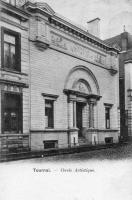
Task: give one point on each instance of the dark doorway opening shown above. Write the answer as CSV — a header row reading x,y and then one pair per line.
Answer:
x,y
79,117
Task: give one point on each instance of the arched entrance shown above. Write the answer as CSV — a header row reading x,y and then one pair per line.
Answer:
x,y
83,93
83,87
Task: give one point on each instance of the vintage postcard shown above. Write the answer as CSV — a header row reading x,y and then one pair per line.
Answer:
x,y
65,99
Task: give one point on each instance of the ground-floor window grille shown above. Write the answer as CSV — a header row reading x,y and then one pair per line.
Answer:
x,y
50,144
11,112
109,140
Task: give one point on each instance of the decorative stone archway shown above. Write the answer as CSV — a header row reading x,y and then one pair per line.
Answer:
x,y
82,89
84,75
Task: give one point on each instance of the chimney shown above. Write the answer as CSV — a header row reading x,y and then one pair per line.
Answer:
x,y
94,27
124,41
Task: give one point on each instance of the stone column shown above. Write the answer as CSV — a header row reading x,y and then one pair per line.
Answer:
x,y
91,115
92,103
70,114
95,116
74,114
73,132
92,135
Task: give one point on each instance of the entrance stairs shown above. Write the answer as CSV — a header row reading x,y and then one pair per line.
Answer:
x,y
82,141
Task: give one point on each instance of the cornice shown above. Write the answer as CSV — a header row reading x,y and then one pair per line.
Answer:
x,y
80,94
14,11
50,95
77,37
80,33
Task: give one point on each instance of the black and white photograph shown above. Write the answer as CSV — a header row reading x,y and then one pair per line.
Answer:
x,y
65,99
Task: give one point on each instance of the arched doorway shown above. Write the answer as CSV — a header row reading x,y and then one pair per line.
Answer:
x,y
83,87
83,93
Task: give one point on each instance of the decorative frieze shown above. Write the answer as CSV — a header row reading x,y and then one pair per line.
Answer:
x,y
76,49
11,88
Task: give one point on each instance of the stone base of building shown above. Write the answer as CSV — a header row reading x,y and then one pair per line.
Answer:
x,y
48,139
101,136
73,137
14,143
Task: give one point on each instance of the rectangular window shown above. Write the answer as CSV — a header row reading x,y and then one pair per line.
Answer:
x,y
11,50
50,144
49,113
107,117
109,140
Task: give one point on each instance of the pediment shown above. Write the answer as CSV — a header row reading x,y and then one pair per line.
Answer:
x,y
45,7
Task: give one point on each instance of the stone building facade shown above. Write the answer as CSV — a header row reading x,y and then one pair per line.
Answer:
x,y
124,41
14,78
68,80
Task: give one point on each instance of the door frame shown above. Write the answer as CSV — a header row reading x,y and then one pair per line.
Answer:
x,y
82,105
20,123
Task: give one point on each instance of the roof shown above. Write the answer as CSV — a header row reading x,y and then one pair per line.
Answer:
x,y
117,41
113,40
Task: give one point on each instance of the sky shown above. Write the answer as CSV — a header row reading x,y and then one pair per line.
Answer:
x,y
114,14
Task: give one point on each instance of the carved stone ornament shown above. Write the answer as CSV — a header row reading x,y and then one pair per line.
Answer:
x,y
112,71
20,3
41,44
81,87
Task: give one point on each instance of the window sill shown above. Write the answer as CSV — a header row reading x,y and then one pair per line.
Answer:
x,y
13,71
49,129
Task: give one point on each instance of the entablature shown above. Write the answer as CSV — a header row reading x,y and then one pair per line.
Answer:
x,y
62,23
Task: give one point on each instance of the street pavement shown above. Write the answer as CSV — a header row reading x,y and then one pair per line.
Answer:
x,y
122,152
117,153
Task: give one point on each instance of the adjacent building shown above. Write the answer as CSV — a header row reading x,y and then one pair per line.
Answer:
x,y
14,78
59,83
124,42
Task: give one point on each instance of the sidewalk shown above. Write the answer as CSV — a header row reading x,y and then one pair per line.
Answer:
x,y
54,152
